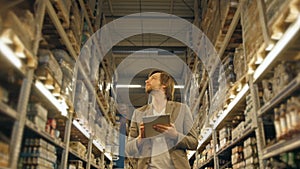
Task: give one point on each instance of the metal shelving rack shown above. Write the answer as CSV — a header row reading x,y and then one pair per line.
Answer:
x,y
30,86
286,45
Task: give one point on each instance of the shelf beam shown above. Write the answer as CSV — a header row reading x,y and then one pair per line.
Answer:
x,y
281,147
67,134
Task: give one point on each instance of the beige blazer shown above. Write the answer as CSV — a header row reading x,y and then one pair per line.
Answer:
x,y
187,140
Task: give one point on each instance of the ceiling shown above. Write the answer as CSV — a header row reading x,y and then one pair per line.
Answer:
x,y
154,51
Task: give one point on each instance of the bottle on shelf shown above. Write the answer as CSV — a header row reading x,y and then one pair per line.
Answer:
x,y
277,123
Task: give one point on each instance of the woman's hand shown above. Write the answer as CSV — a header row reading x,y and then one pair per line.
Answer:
x,y
169,130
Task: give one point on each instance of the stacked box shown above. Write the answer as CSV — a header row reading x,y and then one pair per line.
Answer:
x,y
224,136
238,131
38,115
252,31
237,158
76,164
250,153
37,153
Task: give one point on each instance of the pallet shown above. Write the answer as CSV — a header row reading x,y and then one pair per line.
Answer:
x,y
288,15
18,48
49,81
234,90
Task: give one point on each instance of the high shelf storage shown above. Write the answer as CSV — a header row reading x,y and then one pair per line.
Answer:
x,y
255,126
42,82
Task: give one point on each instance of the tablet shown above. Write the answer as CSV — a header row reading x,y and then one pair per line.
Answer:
x,y
150,121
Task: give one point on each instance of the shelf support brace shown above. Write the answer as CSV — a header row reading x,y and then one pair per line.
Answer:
x,y
257,121
65,154
18,128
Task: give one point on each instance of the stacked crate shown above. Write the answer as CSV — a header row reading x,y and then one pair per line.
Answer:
x,y
37,153
250,153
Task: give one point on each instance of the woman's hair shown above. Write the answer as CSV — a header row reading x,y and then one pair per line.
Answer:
x,y
167,80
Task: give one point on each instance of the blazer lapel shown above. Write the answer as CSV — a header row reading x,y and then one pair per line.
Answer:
x,y
170,110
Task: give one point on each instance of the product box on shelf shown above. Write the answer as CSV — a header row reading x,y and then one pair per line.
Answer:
x,y
48,64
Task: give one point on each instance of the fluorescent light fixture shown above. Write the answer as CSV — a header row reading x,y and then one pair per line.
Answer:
x,y
10,55
128,86
232,104
80,128
98,145
40,86
179,86
278,48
